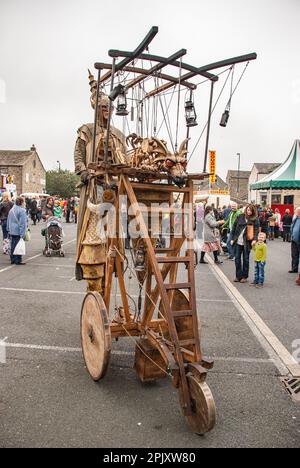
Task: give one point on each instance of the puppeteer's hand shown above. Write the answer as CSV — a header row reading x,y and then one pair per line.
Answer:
x,y
84,176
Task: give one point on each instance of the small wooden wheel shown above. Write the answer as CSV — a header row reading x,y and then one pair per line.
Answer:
x,y
203,416
95,335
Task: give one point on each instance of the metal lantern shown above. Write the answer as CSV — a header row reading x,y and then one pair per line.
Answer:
x,y
119,89
190,114
224,118
139,263
122,105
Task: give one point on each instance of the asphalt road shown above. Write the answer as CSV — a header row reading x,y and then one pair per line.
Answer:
x,y
47,398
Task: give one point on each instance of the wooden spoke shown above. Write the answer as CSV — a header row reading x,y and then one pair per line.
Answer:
x,y
95,335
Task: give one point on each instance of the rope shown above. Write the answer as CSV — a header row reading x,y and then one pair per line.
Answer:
x,y
146,355
168,129
198,141
140,284
178,105
164,95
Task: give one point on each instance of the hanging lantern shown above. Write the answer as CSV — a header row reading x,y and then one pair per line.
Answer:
x,y
190,113
122,105
225,117
119,89
139,263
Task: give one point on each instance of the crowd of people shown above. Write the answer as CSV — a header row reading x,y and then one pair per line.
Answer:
x,y
15,216
233,230
236,231
63,208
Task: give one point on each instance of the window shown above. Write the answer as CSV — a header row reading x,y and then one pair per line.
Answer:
x,y
288,200
26,178
34,164
264,198
276,199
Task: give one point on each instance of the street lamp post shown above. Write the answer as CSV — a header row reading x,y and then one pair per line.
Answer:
x,y
58,162
238,177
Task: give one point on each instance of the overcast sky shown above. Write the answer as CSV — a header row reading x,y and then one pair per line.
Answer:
x,y
46,47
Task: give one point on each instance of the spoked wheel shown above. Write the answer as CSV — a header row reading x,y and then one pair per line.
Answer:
x,y
95,335
203,416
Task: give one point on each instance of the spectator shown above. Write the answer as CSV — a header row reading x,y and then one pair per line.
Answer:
x,y
295,236
199,220
264,221
211,243
5,207
277,223
57,210
33,210
229,225
16,227
287,221
244,235
226,212
272,223
260,258
48,209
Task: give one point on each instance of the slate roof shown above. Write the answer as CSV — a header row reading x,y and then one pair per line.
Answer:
x,y
243,174
14,158
266,168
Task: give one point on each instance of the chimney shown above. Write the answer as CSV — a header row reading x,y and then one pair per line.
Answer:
x,y
33,148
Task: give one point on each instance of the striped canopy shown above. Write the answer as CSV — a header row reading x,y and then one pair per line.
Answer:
x,y
286,176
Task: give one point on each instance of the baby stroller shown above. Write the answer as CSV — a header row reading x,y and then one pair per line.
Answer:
x,y
54,237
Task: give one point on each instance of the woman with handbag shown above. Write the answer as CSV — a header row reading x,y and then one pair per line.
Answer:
x,y
244,235
17,228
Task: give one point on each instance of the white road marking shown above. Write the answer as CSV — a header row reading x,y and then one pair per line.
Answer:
x,y
45,291
283,360
66,349
32,258
54,265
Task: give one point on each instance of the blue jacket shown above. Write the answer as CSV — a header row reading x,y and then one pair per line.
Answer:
x,y
295,230
17,222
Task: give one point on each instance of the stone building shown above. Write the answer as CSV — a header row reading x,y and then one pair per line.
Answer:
x,y
25,168
258,172
237,182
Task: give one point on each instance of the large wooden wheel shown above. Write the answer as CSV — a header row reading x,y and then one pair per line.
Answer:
x,y
95,335
203,416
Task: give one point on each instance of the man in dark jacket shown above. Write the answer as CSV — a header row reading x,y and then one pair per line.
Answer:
x,y
33,211
287,222
295,236
244,234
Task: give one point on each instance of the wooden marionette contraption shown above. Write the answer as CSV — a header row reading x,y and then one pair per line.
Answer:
x,y
136,221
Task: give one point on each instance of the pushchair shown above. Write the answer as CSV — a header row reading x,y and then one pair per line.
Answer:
x,y
54,237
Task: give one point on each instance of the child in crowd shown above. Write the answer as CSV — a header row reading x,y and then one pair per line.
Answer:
x,y
260,258
58,211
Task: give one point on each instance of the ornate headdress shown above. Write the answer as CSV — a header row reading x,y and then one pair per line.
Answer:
x,y
103,98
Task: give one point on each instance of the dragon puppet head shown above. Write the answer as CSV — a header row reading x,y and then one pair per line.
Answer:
x,y
152,154
174,164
